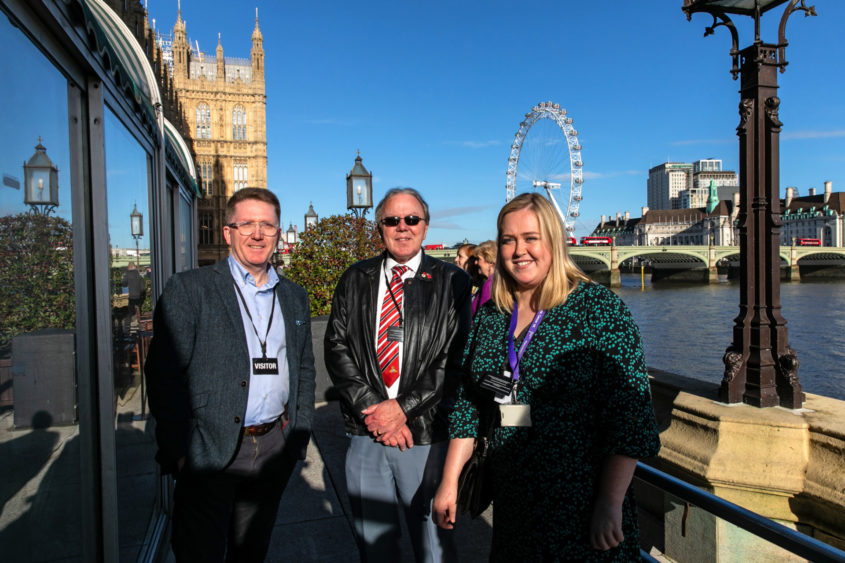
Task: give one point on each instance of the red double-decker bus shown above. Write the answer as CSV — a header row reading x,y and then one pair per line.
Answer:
x,y
596,241
808,242
571,241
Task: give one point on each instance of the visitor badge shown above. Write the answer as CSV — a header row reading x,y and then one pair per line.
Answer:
x,y
396,333
515,415
265,366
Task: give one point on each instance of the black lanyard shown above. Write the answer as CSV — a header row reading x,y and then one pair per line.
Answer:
x,y
269,323
393,297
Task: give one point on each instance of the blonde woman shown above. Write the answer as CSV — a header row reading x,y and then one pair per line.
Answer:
x,y
485,258
560,359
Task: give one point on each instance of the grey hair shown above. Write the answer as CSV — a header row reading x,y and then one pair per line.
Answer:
x,y
396,191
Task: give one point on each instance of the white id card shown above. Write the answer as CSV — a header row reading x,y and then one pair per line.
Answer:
x,y
515,415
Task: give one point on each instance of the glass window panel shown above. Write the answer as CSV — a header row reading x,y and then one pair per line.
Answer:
x,y
127,187
40,479
185,236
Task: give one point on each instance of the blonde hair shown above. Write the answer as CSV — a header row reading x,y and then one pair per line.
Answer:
x,y
563,276
486,250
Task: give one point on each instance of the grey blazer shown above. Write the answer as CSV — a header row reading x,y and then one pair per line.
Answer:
x,y
198,369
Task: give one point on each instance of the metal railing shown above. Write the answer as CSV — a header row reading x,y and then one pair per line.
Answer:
x,y
778,534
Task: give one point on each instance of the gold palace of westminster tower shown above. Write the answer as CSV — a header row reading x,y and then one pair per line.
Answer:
x,y
224,105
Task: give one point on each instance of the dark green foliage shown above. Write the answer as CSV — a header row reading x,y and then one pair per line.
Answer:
x,y
36,275
325,252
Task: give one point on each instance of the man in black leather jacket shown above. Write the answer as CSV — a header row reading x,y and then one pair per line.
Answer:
x,y
393,347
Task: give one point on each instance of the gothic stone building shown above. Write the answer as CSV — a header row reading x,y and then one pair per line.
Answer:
x,y
224,102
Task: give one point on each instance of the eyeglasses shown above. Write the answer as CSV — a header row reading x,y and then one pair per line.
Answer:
x,y
247,228
410,220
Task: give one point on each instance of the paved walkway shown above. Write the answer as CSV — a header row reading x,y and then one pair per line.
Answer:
x,y
314,519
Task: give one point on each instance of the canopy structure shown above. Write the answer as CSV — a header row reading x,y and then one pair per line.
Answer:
x,y
180,148
132,68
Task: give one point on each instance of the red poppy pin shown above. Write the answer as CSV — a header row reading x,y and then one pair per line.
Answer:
x,y
425,276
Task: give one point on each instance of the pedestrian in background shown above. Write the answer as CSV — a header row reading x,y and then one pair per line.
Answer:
x,y
485,260
462,258
133,281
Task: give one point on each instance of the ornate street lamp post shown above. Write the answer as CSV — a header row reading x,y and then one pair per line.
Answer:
x,y
41,181
359,189
760,367
136,226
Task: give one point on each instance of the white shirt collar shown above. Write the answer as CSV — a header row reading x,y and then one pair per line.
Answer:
x,y
413,264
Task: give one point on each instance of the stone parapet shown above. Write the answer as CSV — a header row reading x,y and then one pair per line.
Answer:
x,y
786,465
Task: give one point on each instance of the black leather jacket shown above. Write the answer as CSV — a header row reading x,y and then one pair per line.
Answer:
x,y
437,319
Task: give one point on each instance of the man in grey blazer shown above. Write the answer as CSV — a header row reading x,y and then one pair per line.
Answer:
x,y
231,386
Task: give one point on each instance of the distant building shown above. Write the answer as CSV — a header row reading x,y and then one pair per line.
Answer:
x,y
665,183
820,216
693,198
669,227
814,216
224,102
680,185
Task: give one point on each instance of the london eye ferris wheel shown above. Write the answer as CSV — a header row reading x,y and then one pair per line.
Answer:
x,y
548,158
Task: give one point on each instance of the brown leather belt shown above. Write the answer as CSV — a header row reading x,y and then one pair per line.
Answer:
x,y
262,429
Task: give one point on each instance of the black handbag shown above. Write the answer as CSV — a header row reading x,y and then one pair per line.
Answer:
x,y
475,487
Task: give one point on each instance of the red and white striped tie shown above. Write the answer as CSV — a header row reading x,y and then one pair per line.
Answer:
x,y
387,351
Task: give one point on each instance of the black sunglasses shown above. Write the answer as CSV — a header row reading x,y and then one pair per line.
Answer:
x,y
410,220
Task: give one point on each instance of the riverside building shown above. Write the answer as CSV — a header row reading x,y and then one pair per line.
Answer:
x,y
714,223
814,216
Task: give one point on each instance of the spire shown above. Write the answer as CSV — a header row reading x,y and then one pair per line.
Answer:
x,y
256,33
180,45
257,52
713,197
221,67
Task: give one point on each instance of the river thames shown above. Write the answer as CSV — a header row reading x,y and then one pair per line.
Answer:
x,y
686,328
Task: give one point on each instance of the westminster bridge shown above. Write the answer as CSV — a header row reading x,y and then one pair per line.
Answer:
x,y
700,263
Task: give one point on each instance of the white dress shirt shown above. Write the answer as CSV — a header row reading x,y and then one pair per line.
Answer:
x,y
385,276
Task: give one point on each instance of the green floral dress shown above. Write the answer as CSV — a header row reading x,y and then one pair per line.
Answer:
x,y
584,375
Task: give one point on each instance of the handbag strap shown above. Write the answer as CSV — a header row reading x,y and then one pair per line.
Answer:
x,y
487,411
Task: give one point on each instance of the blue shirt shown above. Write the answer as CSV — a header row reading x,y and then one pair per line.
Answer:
x,y
268,394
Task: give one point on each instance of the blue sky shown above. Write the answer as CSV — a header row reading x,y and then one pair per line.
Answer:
x,y
432,94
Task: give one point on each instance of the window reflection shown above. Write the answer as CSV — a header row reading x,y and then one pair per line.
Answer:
x,y
39,436
127,186
184,235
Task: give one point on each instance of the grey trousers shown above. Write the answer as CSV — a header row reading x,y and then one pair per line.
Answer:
x,y
381,480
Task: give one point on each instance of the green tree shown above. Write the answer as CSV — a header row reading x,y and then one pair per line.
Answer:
x,y
36,275
324,253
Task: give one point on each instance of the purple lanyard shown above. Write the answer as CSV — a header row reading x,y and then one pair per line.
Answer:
x,y
513,357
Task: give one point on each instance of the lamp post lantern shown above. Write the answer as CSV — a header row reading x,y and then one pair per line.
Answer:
x,y
290,235
359,189
311,218
136,226
41,181
760,367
